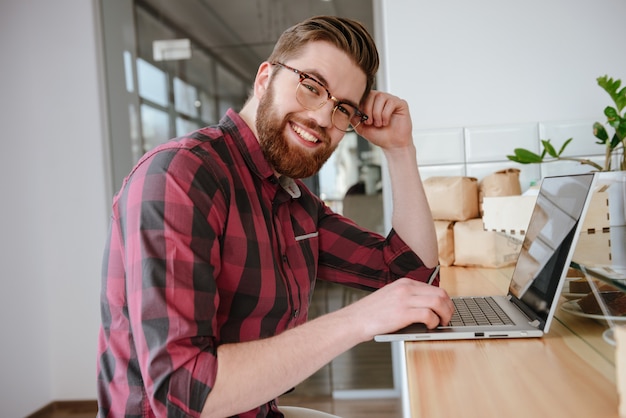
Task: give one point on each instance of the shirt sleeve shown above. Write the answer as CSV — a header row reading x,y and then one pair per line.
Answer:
x,y
355,256
173,258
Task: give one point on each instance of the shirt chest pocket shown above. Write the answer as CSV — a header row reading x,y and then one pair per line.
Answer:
x,y
304,255
308,245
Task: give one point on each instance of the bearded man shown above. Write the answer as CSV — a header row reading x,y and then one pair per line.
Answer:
x,y
215,244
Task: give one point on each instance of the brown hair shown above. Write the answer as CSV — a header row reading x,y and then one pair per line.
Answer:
x,y
348,35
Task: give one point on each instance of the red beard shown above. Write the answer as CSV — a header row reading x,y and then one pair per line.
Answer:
x,y
294,162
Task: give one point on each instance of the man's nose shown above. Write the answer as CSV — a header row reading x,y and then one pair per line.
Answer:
x,y
324,115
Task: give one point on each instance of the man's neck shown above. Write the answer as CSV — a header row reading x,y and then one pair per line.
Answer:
x,y
248,114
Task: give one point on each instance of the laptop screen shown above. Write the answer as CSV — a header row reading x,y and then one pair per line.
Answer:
x,y
548,241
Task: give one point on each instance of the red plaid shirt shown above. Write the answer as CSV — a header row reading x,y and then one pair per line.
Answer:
x,y
206,247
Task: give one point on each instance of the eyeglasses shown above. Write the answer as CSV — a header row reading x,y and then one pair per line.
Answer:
x,y
310,94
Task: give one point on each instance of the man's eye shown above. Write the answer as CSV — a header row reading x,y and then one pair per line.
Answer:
x,y
311,88
345,109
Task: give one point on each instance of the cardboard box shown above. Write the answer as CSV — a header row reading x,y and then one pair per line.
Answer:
x,y
597,217
476,247
445,241
593,247
509,215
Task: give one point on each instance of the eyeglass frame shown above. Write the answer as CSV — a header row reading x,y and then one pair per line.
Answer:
x,y
303,76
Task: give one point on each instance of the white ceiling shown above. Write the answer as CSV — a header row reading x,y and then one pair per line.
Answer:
x,y
243,32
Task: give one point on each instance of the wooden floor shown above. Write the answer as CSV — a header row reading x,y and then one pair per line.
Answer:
x,y
367,366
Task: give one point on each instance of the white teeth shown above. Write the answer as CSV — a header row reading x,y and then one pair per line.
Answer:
x,y
304,135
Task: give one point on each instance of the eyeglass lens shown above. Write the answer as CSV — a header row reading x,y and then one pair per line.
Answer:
x,y
313,96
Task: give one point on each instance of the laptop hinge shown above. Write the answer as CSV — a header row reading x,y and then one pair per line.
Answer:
x,y
532,317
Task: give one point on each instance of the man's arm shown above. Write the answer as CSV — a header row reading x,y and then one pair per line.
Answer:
x,y
250,374
389,126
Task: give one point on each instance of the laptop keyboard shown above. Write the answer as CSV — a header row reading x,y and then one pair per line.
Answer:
x,y
478,311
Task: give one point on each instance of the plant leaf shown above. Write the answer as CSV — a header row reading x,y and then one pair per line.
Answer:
x,y
517,160
524,156
600,133
611,113
615,141
549,148
611,87
620,131
565,144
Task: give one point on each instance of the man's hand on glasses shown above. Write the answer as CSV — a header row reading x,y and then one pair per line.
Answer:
x,y
389,124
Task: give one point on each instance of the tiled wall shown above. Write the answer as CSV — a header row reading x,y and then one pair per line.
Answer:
x,y
480,150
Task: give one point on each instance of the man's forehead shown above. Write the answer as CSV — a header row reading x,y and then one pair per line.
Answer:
x,y
331,66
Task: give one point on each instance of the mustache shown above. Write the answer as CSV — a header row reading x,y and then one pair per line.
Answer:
x,y
310,124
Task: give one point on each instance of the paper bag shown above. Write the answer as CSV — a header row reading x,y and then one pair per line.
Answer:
x,y
475,247
445,241
501,183
452,198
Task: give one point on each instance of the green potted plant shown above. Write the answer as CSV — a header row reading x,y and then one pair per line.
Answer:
x,y
614,159
613,171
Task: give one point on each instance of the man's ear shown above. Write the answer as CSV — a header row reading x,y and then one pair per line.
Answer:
x,y
262,79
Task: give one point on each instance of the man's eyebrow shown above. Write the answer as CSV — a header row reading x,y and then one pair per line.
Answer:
x,y
320,79
317,76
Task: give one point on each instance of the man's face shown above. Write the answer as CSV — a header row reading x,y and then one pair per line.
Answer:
x,y
289,159
296,141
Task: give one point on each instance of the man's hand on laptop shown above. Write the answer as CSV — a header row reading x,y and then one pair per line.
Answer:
x,y
400,304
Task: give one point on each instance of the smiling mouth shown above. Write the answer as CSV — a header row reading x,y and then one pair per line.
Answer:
x,y
304,135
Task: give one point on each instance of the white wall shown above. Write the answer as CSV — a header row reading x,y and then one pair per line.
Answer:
x,y
54,202
480,62
485,76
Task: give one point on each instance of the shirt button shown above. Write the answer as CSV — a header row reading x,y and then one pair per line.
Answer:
x,y
284,258
295,313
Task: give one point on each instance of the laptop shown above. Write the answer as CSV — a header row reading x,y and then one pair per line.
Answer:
x,y
540,271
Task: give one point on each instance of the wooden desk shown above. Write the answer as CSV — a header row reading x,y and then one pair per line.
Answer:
x,y
570,372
